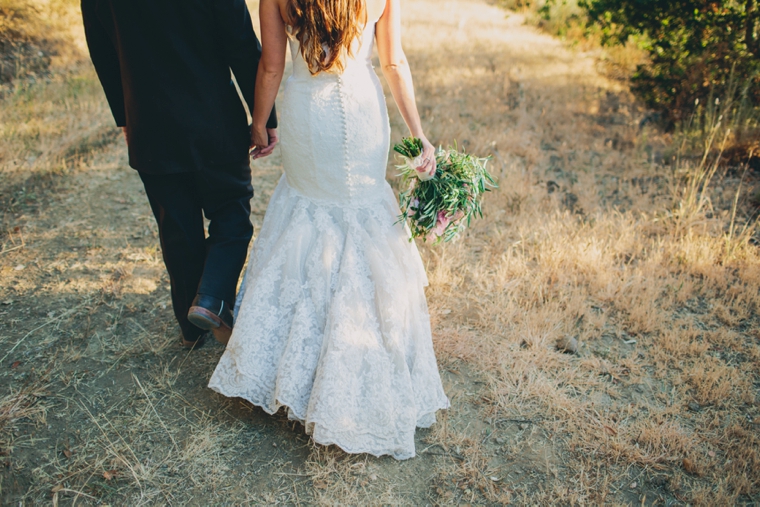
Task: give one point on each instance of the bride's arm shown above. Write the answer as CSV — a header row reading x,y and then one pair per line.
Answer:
x,y
271,67
399,76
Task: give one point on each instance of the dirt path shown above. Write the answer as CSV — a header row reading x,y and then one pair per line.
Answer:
x,y
101,406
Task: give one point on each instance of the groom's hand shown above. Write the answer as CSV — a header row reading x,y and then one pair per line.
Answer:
x,y
273,139
263,143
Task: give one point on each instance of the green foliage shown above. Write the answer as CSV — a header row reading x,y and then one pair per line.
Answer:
x,y
439,209
409,147
699,49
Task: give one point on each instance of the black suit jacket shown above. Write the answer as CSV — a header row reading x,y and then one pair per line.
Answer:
x,y
165,69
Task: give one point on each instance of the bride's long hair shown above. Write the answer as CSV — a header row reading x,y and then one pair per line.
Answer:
x,y
326,29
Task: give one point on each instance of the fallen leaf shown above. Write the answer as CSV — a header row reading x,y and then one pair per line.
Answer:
x,y
15,364
568,345
690,466
110,474
57,488
67,453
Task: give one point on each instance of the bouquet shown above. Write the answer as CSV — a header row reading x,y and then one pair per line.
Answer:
x,y
438,207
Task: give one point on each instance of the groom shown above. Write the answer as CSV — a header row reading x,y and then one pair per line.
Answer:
x,y
165,69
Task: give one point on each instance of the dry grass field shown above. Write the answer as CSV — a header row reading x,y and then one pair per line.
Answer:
x,y
597,332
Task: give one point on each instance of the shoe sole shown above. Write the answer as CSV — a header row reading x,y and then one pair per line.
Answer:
x,y
204,319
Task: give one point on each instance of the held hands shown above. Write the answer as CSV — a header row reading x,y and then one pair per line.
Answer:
x,y
263,142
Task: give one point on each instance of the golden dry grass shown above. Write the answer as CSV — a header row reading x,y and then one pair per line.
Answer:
x,y
35,34
568,21
650,291
589,238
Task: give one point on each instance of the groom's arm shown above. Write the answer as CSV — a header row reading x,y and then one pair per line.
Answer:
x,y
105,59
241,47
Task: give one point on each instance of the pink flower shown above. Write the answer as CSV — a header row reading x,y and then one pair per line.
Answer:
x,y
441,223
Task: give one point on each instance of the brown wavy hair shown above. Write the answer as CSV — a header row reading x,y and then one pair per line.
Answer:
x,y
326,29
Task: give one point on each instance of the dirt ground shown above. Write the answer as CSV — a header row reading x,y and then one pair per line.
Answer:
x,y
658,404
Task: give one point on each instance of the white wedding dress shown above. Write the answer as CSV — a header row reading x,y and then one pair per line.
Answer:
x,y
331,319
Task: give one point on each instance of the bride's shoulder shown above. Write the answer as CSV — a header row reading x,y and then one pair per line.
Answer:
x,y
375,9
283,6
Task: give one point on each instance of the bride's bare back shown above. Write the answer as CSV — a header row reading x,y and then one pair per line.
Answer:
x,y
374,9
392,59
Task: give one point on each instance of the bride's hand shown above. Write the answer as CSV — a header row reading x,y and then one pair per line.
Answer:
x,y
263,142
428,156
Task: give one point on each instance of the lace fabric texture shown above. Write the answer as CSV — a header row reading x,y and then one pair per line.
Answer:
x,y
331,318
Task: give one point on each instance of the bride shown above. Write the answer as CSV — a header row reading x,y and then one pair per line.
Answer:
x,y
331,319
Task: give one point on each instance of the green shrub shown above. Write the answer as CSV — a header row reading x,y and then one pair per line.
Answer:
x,y
699,50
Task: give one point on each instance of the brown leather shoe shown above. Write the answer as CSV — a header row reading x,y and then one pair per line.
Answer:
x,y
212,314
222,334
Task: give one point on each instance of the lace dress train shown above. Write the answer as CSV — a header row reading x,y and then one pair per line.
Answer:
x,y
331,319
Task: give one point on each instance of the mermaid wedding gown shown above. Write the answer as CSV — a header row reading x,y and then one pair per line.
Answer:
x,y
331,319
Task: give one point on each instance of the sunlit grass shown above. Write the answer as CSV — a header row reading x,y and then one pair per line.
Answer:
x,y
649,287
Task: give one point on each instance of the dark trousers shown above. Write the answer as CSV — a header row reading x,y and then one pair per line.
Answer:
x,y
198,264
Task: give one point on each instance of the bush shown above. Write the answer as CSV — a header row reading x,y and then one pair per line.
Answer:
x,y
699,50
